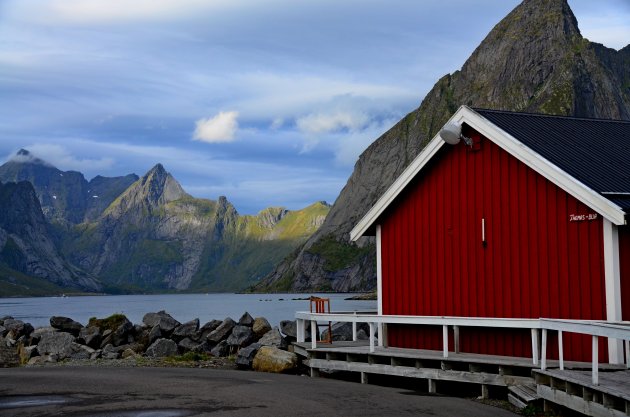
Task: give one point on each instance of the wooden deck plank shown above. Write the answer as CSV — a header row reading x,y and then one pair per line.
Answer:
x,y
615,383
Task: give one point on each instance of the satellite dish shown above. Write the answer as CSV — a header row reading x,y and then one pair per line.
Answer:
x,y
451,133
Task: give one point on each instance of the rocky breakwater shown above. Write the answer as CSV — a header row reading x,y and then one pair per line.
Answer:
x,y
251,342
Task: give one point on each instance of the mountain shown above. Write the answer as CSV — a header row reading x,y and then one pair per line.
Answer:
x,y
65,197
30,263
154,236
534,60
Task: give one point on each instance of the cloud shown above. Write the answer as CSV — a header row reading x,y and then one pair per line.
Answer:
x,y
60,157
220,128
316,123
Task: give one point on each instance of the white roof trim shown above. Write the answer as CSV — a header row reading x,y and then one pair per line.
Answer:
x,y
514,147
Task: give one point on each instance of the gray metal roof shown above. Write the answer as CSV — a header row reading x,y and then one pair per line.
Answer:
x,y
596,152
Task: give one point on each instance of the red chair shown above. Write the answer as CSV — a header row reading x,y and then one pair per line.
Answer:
x,y
322,305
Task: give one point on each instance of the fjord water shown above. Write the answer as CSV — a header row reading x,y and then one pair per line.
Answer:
x,y
183,307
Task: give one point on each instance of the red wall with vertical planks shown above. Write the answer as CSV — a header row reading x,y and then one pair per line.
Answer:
x,y
624,267
535,262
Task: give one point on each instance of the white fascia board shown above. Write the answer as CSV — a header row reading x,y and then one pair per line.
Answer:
x,y
514,147
544,167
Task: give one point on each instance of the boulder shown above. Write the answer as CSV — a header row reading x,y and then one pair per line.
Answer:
x,y
3,331
275,339
222,331
9,356
110,352
90,336
27,352
3,318
58,344
203,347
207,328
271,359
363,335
166,322
241,336
260,326
246,356
155,334
220,350
14,329
343,331
289,329
107,338
123,334
66,324
38,360
246,320
186,330
162,348
128,353
81,351
186,345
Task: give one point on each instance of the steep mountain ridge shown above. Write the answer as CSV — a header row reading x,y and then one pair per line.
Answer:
x,y
25,245
534,60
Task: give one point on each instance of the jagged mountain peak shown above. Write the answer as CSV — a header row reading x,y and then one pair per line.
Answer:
x,y
24,156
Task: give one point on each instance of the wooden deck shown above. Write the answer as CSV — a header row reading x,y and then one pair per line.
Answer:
x,y
611,396
574,389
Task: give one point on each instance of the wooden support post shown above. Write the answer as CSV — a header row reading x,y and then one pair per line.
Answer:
x,y
364,377
372,336
381,334
456,338
560,350
627,354
313,334
543,357
535,346
314,372
445,341
354,329
595,369
432,386
485,394
300,330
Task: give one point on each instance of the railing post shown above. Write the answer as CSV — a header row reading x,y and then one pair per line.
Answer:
x,y
381,335
445,341
627,342
313,334
371,337
535,346
354,328
560,350
595,369
543,356
299,324
456,338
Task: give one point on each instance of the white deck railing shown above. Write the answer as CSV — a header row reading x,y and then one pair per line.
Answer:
x,y
611,330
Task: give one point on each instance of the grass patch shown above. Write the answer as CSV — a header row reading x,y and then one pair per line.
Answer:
x,y
337,255
190,357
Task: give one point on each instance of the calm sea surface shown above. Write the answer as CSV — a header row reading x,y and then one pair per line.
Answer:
x,y
183,307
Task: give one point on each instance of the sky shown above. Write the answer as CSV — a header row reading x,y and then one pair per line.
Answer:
x,y
269,103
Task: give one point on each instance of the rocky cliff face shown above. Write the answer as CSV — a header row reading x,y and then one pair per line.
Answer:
x,y
65,197
534,60
25,245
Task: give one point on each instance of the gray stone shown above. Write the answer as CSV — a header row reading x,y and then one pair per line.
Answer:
x,y
162,348
343,331
261,326
241,336
27,352
81,351
17,328
275,339
97,354
271,359
246,356
207,328
363,335
3,331
66,324
203,347
110,352
123,334
90,336
3,318
155,334
222,349
128,353
246,320
186,345
222,331
9,356
58,344
186,330
107,338
166,322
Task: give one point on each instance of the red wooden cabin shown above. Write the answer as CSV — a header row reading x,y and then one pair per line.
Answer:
x,y
528,221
